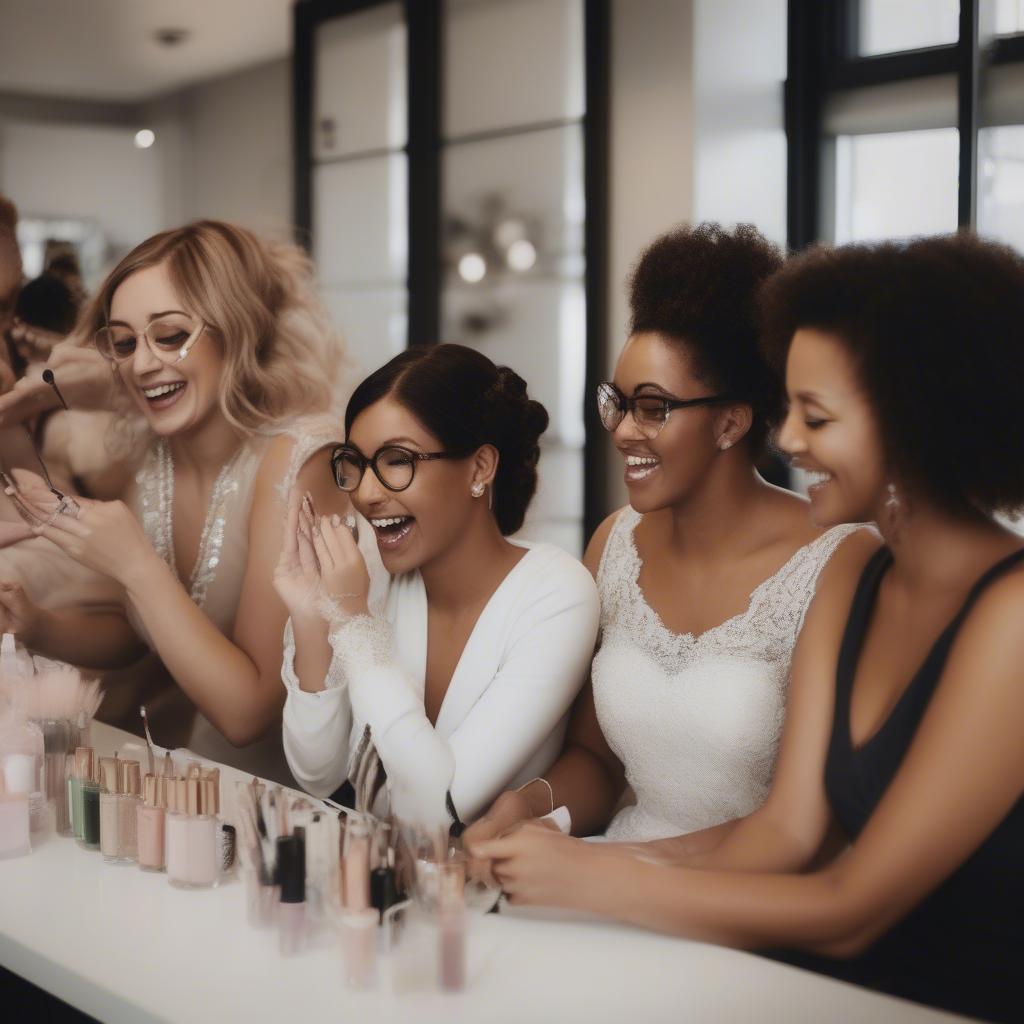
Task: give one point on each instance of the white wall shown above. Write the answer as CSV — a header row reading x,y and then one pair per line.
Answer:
x,y
238,163
651,162
87,172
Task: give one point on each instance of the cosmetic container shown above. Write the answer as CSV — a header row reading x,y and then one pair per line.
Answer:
x,y
21,767
383,882
108,776
150,824
357,865
291,913
82,770
191,836
14,825
60,738
359,937
128,800
88,801
451,926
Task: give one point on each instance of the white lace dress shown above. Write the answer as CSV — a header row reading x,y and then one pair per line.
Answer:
x,y
696,720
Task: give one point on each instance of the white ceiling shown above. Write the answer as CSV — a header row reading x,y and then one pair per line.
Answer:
x,y
105,50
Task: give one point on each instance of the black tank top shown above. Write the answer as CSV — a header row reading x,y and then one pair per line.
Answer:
x,y
962,947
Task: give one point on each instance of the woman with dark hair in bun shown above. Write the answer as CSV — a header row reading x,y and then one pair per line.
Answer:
x,y
704,578
465,667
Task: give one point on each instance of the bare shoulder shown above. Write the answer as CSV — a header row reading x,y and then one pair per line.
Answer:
x,y
314,475
598,542
842,572
994,621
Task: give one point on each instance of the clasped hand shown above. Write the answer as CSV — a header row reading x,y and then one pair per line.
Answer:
x,y
321,571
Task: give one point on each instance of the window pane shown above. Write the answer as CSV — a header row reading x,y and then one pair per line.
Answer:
x,y
895,185
359,209
1001,184
887,26
1009,17
360,83
511,63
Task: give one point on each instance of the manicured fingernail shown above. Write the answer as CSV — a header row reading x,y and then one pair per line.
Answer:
x,y
335,520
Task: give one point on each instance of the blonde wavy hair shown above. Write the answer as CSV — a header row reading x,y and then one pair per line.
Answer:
x,y
282,356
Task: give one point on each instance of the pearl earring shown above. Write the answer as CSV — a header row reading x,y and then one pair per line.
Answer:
x,y
892,503
477,490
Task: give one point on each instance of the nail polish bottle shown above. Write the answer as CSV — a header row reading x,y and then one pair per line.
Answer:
x,y
359,921
128,801
383,884
91,812
191,836
85,799
451,921
108,781
291,913
150,824
14,827
21,767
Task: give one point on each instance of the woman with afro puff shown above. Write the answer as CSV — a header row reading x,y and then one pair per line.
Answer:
x,y
704,577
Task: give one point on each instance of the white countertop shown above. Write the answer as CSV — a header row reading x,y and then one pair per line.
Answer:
x,y
124,945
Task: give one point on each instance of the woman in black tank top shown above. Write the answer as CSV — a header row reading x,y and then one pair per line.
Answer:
x,y
890,851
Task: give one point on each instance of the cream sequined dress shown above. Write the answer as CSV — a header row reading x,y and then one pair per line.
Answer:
x,y
215,586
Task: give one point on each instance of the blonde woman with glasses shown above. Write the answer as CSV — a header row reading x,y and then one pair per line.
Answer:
x,y
227,358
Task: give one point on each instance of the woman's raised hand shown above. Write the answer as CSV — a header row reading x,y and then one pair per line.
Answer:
x,y
82,374
297,576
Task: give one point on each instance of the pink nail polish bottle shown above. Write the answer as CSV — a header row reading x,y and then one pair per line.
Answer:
x,y
150,824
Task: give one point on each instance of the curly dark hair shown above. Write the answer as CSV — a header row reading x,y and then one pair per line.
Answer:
x,y
934,327
466,401
697,286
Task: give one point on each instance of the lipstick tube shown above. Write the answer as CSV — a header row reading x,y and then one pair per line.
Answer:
x,y
291,913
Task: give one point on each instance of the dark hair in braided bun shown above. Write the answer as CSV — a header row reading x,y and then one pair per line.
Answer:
x,y
466,401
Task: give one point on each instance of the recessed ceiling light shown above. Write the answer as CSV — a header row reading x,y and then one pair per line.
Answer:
x,y
144,138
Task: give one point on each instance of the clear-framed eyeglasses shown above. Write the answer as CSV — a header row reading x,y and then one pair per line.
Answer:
x,y
170,338
650,411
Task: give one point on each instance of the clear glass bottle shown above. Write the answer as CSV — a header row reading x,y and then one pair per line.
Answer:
x,y
129,799
108,781
192,837
91,812
150,815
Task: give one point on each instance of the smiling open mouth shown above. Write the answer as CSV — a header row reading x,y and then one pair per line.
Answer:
x,y
162,395
639,467
392,530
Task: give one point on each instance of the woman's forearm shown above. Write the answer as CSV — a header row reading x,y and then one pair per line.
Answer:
x,y
746,911
581,782
219,677
691,849
313,652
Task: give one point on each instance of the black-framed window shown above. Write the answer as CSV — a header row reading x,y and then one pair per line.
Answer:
x,y
905,117
398,276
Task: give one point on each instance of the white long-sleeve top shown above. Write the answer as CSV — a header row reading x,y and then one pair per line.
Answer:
x,y
503,716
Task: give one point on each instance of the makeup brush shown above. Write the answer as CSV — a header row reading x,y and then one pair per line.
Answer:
x,y
49,378
149,740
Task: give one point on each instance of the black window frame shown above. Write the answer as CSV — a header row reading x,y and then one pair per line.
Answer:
x,y
423,150
823,60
